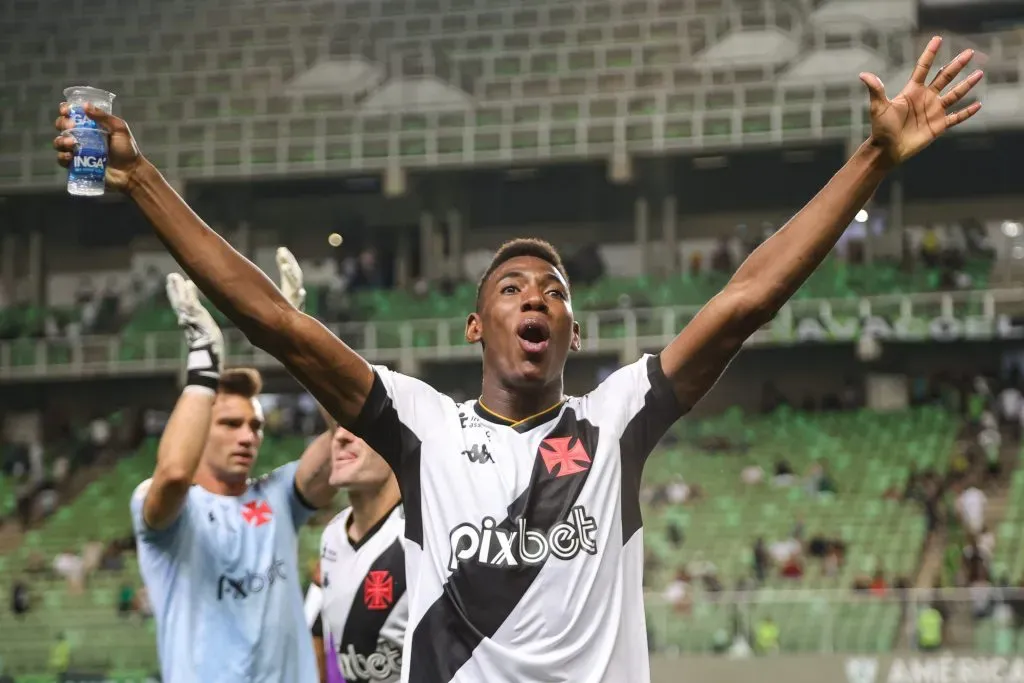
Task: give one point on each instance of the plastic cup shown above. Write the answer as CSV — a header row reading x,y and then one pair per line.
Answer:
x,y
89,163
77,96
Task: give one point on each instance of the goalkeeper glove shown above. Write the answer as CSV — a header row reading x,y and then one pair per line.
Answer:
x,y
205,341
291,278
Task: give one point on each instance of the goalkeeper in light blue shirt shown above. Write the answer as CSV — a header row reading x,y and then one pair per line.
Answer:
x,y
218,551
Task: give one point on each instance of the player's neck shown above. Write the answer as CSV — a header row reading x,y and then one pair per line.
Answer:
x,y
370,507
517,404
209,481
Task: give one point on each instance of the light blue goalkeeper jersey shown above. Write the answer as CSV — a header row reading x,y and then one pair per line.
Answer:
x,y
225,587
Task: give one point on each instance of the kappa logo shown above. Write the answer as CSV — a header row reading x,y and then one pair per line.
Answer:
x,y
565,453
861,670
257,513
378,590
328,554
478,453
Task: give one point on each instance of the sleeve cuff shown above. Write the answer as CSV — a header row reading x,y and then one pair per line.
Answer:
x,y
301,498
662,388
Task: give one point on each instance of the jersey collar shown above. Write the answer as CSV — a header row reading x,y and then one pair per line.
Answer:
x,y
371,532
521,426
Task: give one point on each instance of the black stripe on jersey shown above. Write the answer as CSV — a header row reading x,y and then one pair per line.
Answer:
x,y
379,426
660,411
362,628
478,598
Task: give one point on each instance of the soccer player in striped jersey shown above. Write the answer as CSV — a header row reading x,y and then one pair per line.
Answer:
x,y
362,568
524,557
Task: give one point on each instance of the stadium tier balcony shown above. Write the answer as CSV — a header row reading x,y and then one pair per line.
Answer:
x,y
219,89
624,330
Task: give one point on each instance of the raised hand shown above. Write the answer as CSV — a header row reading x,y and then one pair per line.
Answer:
x,y
123,156
205,340
291,278
919,114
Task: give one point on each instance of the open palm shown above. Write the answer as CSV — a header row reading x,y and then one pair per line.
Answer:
x,y
909,122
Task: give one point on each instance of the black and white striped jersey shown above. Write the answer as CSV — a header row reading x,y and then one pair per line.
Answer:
x,y
365,606
523,558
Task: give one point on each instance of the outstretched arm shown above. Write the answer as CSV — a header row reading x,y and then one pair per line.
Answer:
x,y
338,377
184,437
312,478
900,128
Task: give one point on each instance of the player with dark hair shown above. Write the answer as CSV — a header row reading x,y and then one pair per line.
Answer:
x,y
522,508
362,568
218,551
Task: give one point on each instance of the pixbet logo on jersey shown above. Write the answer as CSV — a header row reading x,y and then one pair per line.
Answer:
x,y
251,583
381,665
499,547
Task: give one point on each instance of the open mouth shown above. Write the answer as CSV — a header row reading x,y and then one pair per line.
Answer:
x,y
534,334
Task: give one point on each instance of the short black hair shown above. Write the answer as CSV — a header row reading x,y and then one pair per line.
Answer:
x,y
522,246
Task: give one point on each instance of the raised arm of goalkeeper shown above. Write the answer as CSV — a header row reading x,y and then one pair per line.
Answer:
x,y
313,475
189,428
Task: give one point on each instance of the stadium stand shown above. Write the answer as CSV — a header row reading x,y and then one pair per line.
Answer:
x,y
224,89
719,527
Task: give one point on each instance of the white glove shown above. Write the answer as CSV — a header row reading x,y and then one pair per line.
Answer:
x,y
291,278
205,340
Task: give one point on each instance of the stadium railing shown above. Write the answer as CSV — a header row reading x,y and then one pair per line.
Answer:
x,y
931,316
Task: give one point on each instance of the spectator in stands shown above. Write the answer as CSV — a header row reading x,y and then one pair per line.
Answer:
x,y
112,561
721,259
752,475
971,504
792,568
678,593
60,655
21,600
1011,403
126,600
990,441
784,474
712,584
676,535
367,274
766,638
678,491
929,629
878,585
69,566
835,556
700,566
761,560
